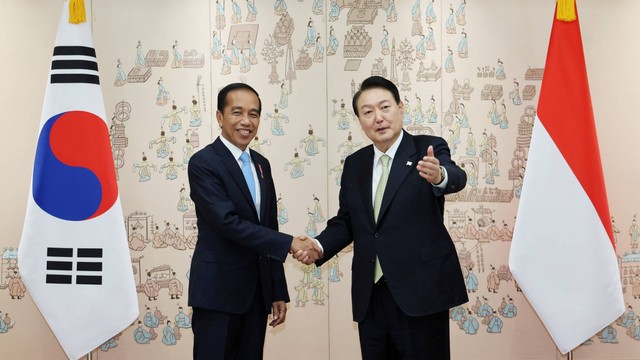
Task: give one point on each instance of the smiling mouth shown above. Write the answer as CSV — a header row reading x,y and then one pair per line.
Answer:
x,y
245,132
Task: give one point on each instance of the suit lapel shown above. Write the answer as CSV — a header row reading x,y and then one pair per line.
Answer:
x,y
364,176
234,169
403,163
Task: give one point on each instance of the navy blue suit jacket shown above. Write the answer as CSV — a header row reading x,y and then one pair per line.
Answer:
x,y
236,250
417,255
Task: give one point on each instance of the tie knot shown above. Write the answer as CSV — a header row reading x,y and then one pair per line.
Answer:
x,y
244,158
385,160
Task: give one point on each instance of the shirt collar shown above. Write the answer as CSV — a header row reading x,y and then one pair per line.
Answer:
x,y
391,152
235,151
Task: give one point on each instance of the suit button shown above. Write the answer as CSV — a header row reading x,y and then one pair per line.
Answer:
x,y
373,261
376,235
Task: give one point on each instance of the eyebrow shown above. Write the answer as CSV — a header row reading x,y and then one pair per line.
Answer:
x,y
376,104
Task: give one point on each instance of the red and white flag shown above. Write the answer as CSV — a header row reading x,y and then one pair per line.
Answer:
x,y
73,256
563,255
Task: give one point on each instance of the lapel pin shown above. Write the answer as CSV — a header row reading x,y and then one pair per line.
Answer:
x,y
261,174
409,163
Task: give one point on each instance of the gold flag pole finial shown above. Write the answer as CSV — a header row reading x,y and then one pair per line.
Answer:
x,y
77,12
566,10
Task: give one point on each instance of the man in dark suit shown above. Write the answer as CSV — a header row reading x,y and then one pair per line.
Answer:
x,y
405,273
236,276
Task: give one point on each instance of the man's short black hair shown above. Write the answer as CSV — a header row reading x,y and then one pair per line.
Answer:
x,y
222,95
372,83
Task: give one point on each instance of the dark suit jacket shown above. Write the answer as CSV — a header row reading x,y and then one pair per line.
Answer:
x,y
235,250
417,255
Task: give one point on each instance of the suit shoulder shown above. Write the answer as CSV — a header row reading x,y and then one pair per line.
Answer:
x,y
360,152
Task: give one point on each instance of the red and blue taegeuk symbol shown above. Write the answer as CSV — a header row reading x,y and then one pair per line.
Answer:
x,y
74,175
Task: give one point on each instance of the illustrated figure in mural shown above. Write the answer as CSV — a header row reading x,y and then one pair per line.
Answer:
x,y
430,40
392,12
162,145
344,115
280,7
615,230
158,241
297,165
332,46
284,96
634,233
334,13
310,143
349,147
150,320
317,7
4,326
245,65
515,93
449,66
182,320
634,332
187,151
220,19
494,234
175,287
256,145
458,314
252,55
406,114
471,281
183,202
318,294
168,335
430,14
418,114
451,142
493,113
463,46
502,116
500,73
432,114
628,318
307,274
252,10
635,289
283,216
226,62
460,13
163,94
237,12
251,236
277,119
415,11
317,210
196,114
16,286
310,40
608,335
142,336
140,61
384,43
175,122
109,344
334,269
177,58
485,309
216,46
421,49
493,281
510,311
451,21
318,55
151,288
235,52
494,324
338,170
301,294
311,229
412,206
144,169
121,77
136,240
470,325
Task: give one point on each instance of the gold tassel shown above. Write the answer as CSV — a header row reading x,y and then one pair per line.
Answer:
x,y
77,12
566,10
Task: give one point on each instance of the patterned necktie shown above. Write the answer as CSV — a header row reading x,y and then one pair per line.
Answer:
x,y
377,202
248,175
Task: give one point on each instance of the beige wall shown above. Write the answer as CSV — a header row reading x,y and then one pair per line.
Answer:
x,y
516,32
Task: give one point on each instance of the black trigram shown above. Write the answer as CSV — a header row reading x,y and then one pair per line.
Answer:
x,y
61,260
74,64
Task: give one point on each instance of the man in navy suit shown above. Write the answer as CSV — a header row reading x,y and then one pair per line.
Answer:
x,y
236,277
405,272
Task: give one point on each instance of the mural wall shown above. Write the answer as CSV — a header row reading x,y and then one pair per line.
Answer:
x,y
469,71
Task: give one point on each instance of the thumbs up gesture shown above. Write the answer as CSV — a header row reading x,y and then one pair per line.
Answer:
x,y
429,168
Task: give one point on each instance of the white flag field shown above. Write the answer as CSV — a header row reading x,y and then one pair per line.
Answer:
x,y
73,256
563,255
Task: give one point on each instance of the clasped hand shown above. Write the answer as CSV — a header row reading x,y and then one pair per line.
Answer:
x,y
305,249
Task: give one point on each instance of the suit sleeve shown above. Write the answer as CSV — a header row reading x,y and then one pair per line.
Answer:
x,y
211,193
456,177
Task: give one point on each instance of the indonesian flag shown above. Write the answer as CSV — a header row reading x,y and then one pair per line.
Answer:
x,y
73,256
563,255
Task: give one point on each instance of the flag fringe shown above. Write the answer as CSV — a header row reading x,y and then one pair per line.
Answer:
x,y
77,12
566,10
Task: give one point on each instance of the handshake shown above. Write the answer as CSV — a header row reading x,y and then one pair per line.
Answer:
x,y
305,249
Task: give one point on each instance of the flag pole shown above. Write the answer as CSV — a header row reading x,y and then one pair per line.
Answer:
x,y
570,355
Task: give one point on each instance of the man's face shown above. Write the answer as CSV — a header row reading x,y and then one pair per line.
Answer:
x,y
240,118
380,117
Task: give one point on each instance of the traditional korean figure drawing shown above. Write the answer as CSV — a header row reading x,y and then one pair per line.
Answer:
x,y
470,325
280,7
430,15
196,114
493,113
252,10
318,55
226,62
500,73
418,114
332,47
283,216
284,96
220,19
345,116
182,320
515,93
235,52
16,286
252,55
317,7
256,144
406,115
277,119
310,40
334,270
297,166
187,151
301,294
421,48
384,43
494,324
608,335
121,78
177,58
471,281
415,11
338,170
634,233
150,319
348,147
144,169
142,336
175,287
310,143
175,122
245,65
237,12
317,210
449,66
163,94
460,13
463,46
334,13
140,61
168,334
451,21
184,201
502,116
216,46
432,113
171,168
430,40
464,120
162,145
150,289
392,12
